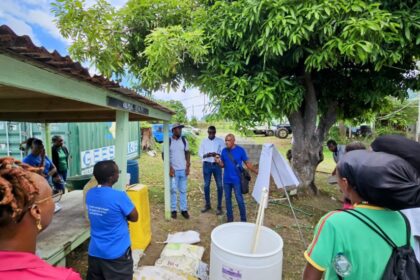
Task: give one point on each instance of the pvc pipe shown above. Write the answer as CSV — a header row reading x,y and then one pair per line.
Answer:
x,y
260,219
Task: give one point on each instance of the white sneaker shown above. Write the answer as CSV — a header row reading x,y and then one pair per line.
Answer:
x,y
57,207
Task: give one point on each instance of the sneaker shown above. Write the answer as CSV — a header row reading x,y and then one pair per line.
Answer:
x,y
173,214
219,212
57,207
185,214
205,209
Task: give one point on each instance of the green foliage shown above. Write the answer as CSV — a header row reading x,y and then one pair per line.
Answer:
x,y
387,130
334,133
180,110
193,141
397,115
250,55
144,124
313,61
194,121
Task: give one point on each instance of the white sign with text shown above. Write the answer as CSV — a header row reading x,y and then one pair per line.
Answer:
x,y
90,157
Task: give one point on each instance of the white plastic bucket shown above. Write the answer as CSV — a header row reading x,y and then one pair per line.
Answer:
x,y
231,257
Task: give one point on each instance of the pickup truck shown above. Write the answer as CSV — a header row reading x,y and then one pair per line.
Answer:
x,y
264,130
283,130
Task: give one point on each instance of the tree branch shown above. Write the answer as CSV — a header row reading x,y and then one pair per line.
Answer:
x,y
327,120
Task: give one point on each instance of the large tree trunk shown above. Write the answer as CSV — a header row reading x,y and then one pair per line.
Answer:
x,y
308,135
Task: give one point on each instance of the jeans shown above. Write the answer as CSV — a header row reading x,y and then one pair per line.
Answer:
x,y
215,170
239,199
59,186
63,175
179,184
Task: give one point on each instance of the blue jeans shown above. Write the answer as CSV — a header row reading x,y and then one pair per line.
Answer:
x,y
179,184
60,186
63,175
215,170
239,199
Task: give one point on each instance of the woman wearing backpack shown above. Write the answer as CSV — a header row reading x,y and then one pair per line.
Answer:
x,y
358,244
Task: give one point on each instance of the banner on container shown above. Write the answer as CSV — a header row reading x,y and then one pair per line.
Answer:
x,y
90,157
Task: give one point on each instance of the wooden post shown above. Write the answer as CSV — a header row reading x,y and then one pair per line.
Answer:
x,y
121,143
166,168
47,131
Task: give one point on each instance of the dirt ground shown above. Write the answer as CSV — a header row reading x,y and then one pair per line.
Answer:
x,y
278,215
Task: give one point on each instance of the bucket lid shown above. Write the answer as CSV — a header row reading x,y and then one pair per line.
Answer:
x,y
247,225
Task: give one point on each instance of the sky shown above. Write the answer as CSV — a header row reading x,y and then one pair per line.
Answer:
x,y
34,18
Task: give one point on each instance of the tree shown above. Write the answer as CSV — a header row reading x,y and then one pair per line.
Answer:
x,y
397,115
314,61
180,110
194,121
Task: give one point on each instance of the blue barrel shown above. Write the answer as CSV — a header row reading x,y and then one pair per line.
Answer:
x,y
133,170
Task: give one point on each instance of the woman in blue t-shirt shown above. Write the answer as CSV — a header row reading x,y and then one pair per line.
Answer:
x,y
37,158
109,211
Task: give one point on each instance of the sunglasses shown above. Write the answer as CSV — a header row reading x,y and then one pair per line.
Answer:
x,y
55,197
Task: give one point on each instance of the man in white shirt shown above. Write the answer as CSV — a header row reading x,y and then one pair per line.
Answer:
x,y
209,148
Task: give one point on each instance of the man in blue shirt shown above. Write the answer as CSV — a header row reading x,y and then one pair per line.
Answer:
x,y
231,160
109,211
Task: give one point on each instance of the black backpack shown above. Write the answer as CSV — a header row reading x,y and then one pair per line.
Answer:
x,y
402,264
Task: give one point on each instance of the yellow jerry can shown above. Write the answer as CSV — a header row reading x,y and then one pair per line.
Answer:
x,y
140,231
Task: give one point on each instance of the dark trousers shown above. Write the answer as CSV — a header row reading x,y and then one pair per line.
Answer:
x,y
118,269
215,170
63,175
239,199
59,186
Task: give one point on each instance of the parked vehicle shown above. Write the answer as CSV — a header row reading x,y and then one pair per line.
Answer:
x,y
361,131
157,131
283,130
264,130
191,129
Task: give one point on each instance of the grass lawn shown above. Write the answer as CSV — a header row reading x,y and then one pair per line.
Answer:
x,y
278,215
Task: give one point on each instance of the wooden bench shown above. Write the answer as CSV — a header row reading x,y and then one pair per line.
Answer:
x,y
66,232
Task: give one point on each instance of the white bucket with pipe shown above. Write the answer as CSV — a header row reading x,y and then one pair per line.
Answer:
x,y
231,257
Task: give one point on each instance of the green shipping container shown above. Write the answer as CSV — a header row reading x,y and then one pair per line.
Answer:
x,y
88,143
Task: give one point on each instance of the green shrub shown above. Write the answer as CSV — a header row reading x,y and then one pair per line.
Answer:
x,y
193,142
334,134
386,130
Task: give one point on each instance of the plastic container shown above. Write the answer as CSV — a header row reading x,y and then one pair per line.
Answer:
x,y
140,231
133,170
78,182
231,258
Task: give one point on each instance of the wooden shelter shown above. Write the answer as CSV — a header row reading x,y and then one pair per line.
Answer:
x,y
43,87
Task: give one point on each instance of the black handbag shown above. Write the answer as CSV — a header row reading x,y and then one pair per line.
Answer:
x,y
242,173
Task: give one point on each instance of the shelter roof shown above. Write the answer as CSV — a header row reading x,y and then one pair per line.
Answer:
x,y
22,48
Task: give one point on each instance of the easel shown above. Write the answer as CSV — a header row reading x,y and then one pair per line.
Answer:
x,y
281,183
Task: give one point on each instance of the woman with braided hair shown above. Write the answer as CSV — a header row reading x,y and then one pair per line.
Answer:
x,y
26,208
